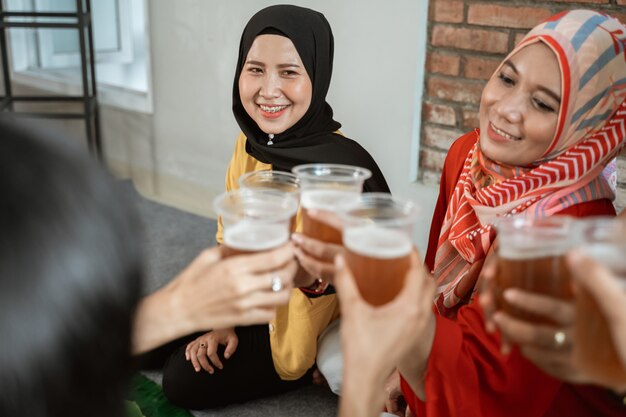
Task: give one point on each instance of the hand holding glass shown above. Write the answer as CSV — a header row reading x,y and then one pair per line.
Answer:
x,y
377,236
531,256
604,240
328,187
255,220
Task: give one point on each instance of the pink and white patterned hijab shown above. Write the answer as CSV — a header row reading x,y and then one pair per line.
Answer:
x,y
591,50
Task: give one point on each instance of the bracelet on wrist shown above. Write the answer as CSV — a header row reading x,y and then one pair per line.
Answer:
x,y
318,287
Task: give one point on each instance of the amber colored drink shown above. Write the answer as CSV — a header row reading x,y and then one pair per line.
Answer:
x,y
324,199
319,230
594,347
379,260
248,237
538,272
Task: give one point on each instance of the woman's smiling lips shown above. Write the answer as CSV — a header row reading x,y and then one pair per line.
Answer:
x,y
272,111
499,134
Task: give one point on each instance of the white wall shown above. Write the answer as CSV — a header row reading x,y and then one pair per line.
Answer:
x,y
182,156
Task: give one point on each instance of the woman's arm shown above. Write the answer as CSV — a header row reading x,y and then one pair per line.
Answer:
x,y
212,293
376,339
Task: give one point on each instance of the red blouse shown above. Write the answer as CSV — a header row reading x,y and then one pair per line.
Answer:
x,y
466,373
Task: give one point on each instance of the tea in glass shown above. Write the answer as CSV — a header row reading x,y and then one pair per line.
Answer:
x,y
254,220
604,240
377,236
328,187
531,256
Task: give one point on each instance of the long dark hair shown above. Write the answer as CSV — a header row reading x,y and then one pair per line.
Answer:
x,y
69,279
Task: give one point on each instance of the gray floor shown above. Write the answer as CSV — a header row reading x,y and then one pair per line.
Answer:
x,y
173,238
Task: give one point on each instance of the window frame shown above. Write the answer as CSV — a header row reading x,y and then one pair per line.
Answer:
x,y
113,89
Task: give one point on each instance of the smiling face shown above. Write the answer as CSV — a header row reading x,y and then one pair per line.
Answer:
x,y
274,87
519,107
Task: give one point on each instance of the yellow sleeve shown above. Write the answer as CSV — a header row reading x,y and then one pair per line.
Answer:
x,y
240,163
295,329
232,174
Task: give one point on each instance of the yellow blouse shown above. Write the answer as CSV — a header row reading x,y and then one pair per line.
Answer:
x,y
294,331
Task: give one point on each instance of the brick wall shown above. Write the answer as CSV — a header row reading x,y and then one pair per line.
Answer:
x,y
467,40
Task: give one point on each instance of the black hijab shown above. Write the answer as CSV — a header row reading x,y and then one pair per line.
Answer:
x,y
312,139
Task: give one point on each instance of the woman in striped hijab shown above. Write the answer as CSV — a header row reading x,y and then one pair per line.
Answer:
x,y
552,121
544,147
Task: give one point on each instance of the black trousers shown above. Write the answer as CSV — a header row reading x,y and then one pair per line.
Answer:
x,y
248,374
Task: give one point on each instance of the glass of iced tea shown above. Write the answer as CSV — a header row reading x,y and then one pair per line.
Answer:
x,y
604,240
377,235
531,256
327,187
254,220
273,180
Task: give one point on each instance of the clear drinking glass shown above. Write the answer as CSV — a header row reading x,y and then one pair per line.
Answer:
x,y
531,256
377,235
270,180
604,240
273,180
254,220
327,187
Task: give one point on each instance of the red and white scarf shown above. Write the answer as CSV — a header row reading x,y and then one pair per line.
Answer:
x,y
591,51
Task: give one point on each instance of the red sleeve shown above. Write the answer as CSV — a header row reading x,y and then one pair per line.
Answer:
x,y
586,400
602,207
468,376
452,168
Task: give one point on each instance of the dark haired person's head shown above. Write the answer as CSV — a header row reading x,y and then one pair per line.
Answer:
x,y
69,279
283,74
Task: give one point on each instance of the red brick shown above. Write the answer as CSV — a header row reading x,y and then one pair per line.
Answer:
x,y
621,3
519,37
472,39
470,119
450,11
438,137
505,16
432,159
480,68
439,113
443,64
457,89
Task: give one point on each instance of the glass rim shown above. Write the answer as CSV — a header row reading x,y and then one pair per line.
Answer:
x,y
263,179
520,221
525,237
280,198
603,228
408,210
268,173
350,172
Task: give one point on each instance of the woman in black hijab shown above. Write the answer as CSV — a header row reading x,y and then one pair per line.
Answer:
x,y
313,138
279,100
